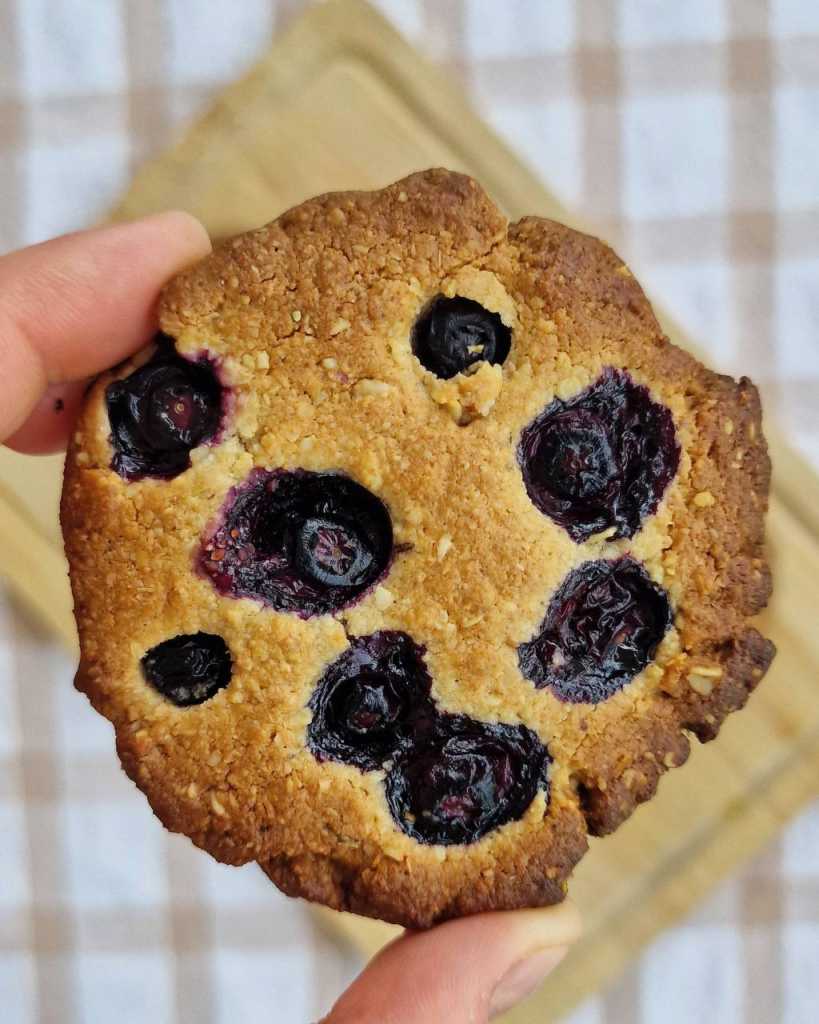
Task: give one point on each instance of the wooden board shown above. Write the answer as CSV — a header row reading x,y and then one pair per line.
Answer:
x,y
342,102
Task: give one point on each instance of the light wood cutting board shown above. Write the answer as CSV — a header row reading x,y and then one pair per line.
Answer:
x,y
342,102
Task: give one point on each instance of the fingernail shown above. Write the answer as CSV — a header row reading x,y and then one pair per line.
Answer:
x,y
523,978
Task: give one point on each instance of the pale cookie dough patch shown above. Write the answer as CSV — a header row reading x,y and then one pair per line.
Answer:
x,y
472,394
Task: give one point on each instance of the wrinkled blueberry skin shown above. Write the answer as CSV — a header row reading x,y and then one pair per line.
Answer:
x,y
369,701
188,669
602,459
160,412
602,627
452,334
309,543
463,778
450,779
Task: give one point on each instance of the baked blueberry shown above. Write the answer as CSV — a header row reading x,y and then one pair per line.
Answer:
x,y
328,551
368,701
301,542
452,334
459,779
601,628
160,412
188,669
602,459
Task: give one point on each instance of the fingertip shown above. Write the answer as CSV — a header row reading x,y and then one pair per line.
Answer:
x,y
179,229
163,243
523,978
559,925
48,426
454,972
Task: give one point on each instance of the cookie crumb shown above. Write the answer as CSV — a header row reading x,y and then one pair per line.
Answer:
x,y
366,386
703,685
704,499
709,671
444,545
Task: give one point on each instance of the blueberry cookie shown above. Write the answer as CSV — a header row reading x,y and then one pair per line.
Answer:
x,y
411,552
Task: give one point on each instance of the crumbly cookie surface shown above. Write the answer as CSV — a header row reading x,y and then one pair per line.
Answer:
x,y
308,324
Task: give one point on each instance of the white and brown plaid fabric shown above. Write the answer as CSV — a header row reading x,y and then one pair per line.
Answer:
x,y
689,134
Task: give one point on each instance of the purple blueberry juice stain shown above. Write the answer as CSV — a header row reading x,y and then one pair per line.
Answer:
x,y
452,334
450,779
601,628
599,460
161,412
309,543
188,669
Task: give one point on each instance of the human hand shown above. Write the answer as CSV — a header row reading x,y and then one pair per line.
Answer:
x,y
71,308
463,972
74,306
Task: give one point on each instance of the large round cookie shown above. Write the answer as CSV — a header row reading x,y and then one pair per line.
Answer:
x,y
412,550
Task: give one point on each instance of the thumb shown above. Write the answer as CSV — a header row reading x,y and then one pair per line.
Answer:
x,y
74,306
462,972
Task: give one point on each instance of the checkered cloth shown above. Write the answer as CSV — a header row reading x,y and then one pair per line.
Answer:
x,y
689,134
